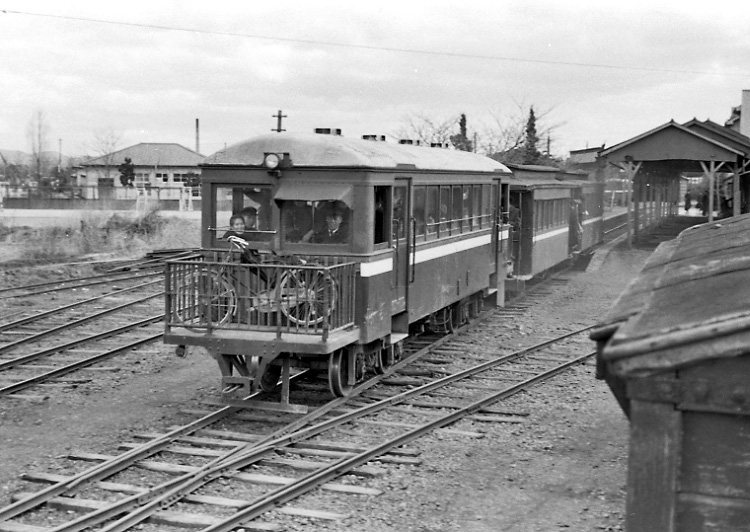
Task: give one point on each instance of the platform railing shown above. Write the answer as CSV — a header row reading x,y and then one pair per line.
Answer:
x,y
303,297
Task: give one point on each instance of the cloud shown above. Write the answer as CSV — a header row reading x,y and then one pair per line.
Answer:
x,y
149,69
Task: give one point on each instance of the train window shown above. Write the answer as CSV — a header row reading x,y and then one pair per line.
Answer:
x,y
253,203
457,215
489,192
556,212
296,220
420,198
539,216
381,218
330,223
433,210
467,212
399,212
445,211
476,207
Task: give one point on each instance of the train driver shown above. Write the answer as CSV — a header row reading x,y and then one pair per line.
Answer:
x,y
336,229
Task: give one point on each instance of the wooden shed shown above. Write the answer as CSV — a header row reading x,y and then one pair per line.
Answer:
x,y
675,351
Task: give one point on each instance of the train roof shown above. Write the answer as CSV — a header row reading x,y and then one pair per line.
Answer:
x,y
523,182
688,304
335,151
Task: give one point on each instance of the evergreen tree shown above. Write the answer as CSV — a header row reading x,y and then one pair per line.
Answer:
x,y
531,153
461,141
127,173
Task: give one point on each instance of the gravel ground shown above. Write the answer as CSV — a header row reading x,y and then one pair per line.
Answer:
x,y
564,468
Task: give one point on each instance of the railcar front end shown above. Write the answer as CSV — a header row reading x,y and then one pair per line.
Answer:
x,y
323,252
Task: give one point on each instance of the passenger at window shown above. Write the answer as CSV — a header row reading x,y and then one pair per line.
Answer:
x,y
336,228
250,215
237,227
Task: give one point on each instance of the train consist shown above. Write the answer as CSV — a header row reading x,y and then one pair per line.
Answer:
x,y
324,252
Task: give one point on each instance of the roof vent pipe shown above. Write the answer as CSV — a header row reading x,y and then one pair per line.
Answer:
x,y
745,113
327,131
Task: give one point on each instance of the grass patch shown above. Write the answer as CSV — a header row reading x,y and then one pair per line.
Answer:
x,y
98,234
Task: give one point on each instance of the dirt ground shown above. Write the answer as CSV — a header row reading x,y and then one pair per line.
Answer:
x,y
564,468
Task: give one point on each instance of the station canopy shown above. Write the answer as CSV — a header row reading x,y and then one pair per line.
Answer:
x,y
682,147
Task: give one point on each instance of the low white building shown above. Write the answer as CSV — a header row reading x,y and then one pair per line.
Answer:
x,y
163,171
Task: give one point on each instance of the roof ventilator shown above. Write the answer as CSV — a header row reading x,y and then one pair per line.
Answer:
x,y
327,131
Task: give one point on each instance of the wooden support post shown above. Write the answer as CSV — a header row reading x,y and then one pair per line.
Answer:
x,y
736,193
710,171
630,169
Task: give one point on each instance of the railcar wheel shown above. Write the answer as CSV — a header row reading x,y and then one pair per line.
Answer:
x,y
383,359
270,378
338,372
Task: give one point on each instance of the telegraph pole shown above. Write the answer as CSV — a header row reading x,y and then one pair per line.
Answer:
x,y
278,118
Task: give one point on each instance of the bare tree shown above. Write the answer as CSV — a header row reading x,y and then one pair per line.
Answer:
x,y
103,146
427,130
37,132
505,136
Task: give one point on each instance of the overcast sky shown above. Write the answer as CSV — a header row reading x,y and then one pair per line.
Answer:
x,y
145,71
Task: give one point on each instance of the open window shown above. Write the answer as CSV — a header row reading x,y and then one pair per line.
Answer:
x,y
315,222
243,211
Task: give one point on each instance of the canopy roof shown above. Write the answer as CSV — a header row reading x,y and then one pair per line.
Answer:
x,y
672,141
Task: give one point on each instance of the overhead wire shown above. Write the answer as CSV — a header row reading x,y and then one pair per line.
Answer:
x,y
318,42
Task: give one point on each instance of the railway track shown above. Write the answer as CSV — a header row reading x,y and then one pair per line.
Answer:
x,y
229,468
42,342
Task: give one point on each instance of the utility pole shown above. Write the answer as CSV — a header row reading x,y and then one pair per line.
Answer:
x,y
59,158
278,118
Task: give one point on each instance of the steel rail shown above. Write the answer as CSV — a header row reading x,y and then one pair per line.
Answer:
x,y
313,480
152,263
109,278
144,504
35,317
110,467
38,336
61,347
117,464
249,453
62,370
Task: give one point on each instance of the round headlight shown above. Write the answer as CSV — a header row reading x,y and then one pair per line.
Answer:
x,y
271,161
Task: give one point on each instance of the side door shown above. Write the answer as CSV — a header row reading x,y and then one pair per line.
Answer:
x,y
401,231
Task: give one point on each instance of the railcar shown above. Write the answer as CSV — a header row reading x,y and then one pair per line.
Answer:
x,y
559,216
352,245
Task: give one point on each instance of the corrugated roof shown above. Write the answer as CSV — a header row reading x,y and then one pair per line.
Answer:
x,y
330,151
152,154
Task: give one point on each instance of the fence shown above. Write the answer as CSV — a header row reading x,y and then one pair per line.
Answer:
x,y
209,293
177,198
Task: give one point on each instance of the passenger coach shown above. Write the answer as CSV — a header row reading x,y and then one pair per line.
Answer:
x,y
558,216
337,249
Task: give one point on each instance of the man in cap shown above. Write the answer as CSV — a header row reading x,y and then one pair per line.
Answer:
x,y
336,228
